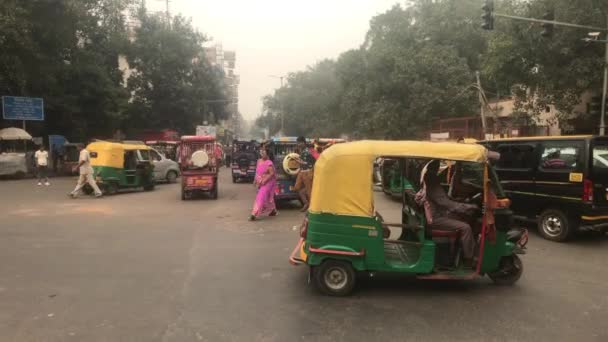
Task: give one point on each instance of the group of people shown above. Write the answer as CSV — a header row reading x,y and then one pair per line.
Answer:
x,y
84,168
265,179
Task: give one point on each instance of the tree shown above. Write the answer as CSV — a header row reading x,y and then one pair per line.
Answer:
x,y
66,52
406,74
309,102
540,71
173,85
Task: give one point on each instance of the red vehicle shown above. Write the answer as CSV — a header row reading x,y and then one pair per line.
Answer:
x,y
198,165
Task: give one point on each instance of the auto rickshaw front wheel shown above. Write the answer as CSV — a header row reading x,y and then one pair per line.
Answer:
x,y
334,277
87,189
509,271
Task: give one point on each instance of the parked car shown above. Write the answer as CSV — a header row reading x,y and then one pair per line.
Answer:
x,y
561,183
165,169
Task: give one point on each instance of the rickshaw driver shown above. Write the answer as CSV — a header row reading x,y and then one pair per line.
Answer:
x,y
446,214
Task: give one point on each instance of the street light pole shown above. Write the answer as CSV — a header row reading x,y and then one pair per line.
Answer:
x,y
605,87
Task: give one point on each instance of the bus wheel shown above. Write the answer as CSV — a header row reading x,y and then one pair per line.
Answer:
x,y
554,225
509,271
334,278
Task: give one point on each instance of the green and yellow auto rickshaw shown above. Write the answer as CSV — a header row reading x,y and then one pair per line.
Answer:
x,y
343,234
121,166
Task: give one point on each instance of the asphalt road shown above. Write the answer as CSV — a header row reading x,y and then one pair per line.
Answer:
x,y
150,267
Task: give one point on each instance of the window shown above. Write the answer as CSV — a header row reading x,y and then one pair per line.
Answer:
x,y
155,155
515,157
600,157
560,155
144,155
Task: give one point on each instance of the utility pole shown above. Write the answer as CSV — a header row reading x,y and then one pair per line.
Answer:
x,y
605,89
281,105
167,10
481,105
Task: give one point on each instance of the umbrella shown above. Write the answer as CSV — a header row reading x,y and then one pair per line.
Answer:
x,y
13,133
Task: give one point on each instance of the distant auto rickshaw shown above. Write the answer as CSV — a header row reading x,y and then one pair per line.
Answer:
x,y
244,158
120,166
343,233
199,166
69,158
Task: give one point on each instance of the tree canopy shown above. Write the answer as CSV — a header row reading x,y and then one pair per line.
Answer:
x,y
67,52
418,63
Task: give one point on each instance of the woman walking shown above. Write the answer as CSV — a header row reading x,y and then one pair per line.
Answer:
x,y
265,181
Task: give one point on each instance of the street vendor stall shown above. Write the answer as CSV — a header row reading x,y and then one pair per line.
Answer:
x,y
14,143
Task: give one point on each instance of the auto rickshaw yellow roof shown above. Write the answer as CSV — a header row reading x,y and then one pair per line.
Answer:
x,y
109,145
343,174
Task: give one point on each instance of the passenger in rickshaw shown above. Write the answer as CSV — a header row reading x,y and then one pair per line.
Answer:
x,y
443,213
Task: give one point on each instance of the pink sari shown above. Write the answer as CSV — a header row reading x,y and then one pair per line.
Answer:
x,y
264,200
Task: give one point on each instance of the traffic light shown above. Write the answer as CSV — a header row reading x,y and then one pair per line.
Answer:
x,y
595,105
548,28
488,16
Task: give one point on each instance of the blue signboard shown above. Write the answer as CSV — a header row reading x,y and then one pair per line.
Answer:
x,y
22,108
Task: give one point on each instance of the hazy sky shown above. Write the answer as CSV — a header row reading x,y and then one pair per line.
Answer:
x,y
275,37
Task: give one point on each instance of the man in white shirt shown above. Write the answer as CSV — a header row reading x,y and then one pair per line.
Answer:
x,y
86,174
42,163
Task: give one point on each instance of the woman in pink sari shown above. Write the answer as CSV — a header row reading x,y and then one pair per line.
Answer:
x,y
265,181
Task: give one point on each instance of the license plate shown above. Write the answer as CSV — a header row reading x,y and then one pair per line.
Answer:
x,y
201,182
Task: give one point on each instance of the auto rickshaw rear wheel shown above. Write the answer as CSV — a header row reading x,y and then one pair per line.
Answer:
x,y
111,188
334,277
509,271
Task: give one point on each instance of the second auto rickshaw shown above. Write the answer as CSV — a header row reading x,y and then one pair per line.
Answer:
x,y
343,233
120,166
